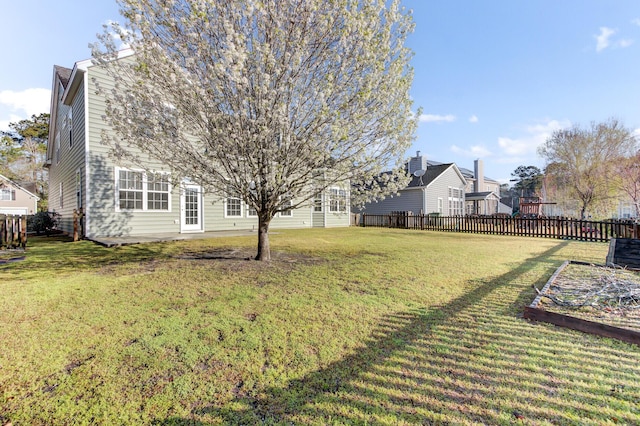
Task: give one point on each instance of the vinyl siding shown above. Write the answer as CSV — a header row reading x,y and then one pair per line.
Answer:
x,y
336,220
71,160
408,200
439,188
105,220
302,217
215,220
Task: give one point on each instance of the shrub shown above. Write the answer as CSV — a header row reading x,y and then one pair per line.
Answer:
x,y
43,222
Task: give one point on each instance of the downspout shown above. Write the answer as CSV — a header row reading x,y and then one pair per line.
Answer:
x,y
424,201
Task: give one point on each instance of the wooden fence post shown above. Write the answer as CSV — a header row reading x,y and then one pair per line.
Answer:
x,y
3,230
23,232
75,224
15,230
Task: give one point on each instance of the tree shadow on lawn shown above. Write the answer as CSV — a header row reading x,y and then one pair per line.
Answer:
x,y
394,377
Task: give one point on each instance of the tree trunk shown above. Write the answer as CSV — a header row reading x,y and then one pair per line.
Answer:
x,y
583,212
264,252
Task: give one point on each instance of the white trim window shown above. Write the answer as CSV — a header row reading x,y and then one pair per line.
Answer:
x,y
251,212
158,191
440,205
7,194
337,200
232,205
456,201
57,146
317,203
286,205
130,189
139,191
78,189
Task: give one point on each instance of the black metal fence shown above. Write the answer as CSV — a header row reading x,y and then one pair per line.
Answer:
x,y
544,227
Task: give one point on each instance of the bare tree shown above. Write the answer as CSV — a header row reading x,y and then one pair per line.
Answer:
x,y
628,171
585,158
272,101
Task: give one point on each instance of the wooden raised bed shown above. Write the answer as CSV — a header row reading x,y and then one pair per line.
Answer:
x,y
624,252
534,312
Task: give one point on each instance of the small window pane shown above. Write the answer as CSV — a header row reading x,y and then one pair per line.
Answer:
x,y
317,203
130,190
234,207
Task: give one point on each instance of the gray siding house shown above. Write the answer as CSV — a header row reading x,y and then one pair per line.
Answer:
x,y
437,188
16,200
482,193
122,200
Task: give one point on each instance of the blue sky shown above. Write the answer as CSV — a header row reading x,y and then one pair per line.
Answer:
x,y
494,77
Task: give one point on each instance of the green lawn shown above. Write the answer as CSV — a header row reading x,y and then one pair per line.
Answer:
x,y
345,326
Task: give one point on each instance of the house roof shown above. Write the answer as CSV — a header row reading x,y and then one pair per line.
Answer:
x,y
468,174
15,185
63,74
473,196
431,174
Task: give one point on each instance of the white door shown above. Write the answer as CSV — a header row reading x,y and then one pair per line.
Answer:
x,y
191,208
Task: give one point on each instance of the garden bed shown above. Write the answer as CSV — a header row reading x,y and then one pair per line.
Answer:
x,y
591,298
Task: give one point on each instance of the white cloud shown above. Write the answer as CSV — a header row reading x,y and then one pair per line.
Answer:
x,y
473,119
30,101
476,151
636,133
603,39
4,124
114,28
636,21
435,118
624,43
16,106
527,145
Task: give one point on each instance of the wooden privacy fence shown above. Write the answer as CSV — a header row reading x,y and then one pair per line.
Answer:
x,y
13,232
545,227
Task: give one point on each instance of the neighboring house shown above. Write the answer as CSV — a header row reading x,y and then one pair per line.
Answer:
x,y
117,200
482,193
15,199
437,188
626,209
443,188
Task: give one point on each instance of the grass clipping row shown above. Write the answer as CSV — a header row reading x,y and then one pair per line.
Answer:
x,y
596,293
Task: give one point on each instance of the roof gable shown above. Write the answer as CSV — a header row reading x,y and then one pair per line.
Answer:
x,y
8,181
63,74
466,173
432,173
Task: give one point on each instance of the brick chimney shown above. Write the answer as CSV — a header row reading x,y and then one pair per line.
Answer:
x,y
478,172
